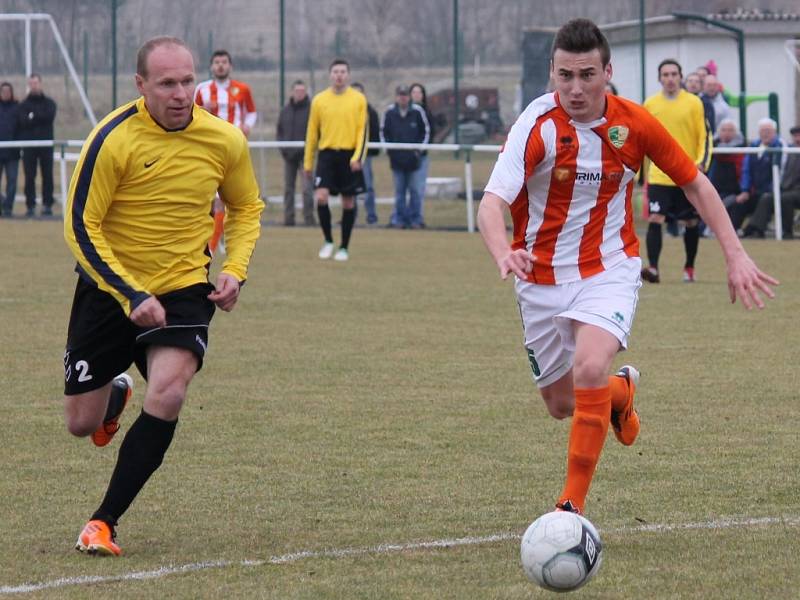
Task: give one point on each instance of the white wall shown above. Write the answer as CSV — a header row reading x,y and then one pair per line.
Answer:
x,y
768,69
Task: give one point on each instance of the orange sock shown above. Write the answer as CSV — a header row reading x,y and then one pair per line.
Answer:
x,y
219,220
586,439
619,391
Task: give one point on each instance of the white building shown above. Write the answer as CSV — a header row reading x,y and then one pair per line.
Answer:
x,y
770,48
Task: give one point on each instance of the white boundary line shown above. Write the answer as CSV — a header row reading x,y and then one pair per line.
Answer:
x,y
726,523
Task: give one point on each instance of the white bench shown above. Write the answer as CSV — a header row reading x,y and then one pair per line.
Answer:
x,y
443,187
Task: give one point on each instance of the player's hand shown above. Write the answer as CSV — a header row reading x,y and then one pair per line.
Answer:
x,y
149,313
355,165
520,262
226,293
746,280
246,130
307,173
742,198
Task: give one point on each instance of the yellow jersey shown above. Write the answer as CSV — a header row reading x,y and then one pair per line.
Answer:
x,y
684,118
337,122
138,215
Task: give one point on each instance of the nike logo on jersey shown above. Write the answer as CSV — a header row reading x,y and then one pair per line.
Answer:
x,y
150,163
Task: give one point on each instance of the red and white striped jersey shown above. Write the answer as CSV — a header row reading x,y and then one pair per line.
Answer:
x,y
569,184
230,100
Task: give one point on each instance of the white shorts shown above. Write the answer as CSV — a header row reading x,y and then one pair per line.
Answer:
x,y
606,300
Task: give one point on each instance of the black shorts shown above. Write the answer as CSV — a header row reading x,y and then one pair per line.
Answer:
x,y
102,342
670,201
333,173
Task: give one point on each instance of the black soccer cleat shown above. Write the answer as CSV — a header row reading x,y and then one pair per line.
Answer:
x,y
568,506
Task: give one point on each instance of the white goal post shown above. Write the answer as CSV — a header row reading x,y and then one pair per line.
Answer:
x,y
26,18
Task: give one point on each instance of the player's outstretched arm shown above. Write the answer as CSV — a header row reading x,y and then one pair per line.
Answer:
x,y
492,225
745,279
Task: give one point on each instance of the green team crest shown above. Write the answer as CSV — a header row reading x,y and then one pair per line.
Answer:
x,y
617,135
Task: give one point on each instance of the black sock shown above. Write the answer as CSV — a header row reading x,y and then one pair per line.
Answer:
x,y
348,218
691,239
654,244
324,214
139,456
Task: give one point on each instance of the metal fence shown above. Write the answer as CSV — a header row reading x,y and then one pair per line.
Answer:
x,y
64,156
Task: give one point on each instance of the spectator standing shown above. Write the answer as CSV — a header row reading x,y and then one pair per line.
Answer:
x,y
9,157
713,94
404,122
232,101
682,115
292,123
420,97
694,85
35,117
756,173
337,127
790,197
702,71
366,167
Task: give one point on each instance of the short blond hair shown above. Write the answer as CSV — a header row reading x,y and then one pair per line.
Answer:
x,y
150,45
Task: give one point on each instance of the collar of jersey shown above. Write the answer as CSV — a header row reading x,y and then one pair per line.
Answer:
x,y
577,124
590,125
143,110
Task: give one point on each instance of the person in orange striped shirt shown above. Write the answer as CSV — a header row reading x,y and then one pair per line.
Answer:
x,y
566,172
227,98
232,101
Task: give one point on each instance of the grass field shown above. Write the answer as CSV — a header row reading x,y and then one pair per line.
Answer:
x,y
387,400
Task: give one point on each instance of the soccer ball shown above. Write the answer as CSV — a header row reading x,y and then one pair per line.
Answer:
x,y
561,551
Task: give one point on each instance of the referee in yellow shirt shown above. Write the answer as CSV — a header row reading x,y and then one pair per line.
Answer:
x,y
682,114
138,220
337,127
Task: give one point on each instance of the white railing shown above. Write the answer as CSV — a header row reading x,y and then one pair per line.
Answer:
x,y
466,149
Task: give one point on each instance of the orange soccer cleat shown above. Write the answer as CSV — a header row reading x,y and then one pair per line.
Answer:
x,y
97,538
121,392
626,421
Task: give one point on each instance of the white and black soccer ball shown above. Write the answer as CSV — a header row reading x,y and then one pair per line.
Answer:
x,y
561,551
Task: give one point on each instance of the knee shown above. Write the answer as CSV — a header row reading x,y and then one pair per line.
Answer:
x,y
80,425
559,406
560,412
591,372
164,399
82,417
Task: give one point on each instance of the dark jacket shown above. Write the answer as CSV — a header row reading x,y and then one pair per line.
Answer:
x,y
35,117
8,129
757,170
292,124
709,112
409,128
374,130
726,169
790,178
